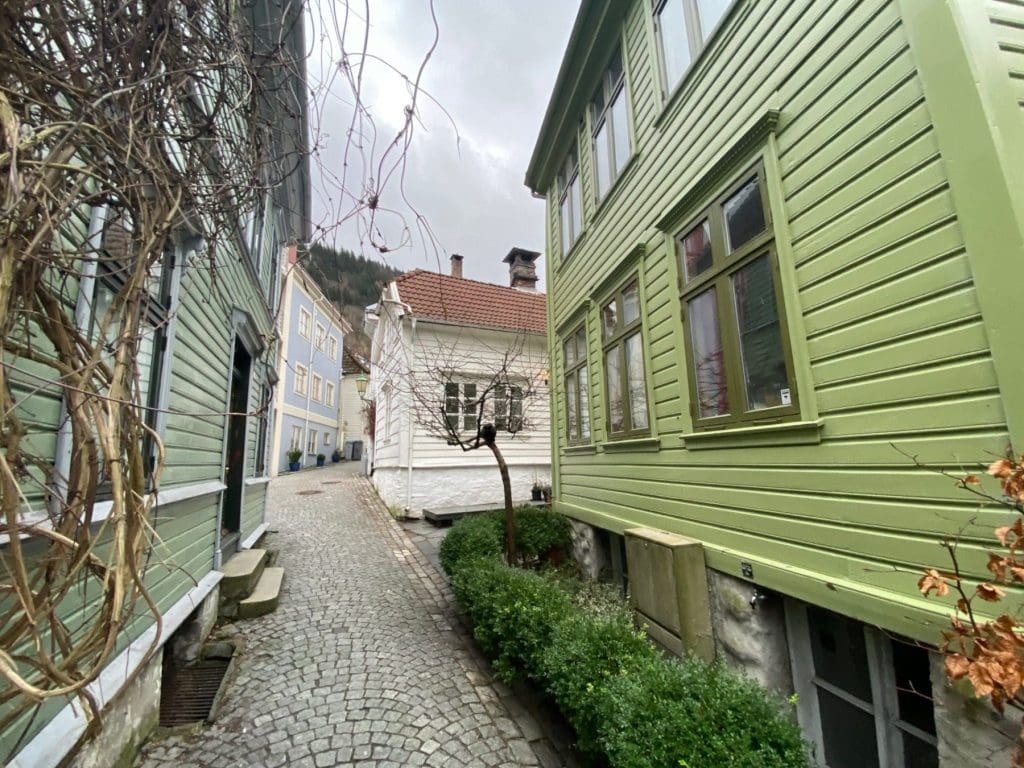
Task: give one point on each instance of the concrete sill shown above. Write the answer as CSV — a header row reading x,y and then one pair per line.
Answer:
x,y
788,433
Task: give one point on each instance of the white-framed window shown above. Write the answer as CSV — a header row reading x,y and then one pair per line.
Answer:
x,y
865,697
508,409
311,441
296,437
460,406
610,124
683,28
327,438
301,379
318,388
329,393
332,348
321,336
570,201
305,322
383,426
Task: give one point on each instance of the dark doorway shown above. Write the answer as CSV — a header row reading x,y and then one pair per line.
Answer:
x,y
234,464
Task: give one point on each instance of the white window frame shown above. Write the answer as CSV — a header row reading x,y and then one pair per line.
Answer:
x,y
884,709
327,438
383,426
321,336
305,322
311,442
318,388
332,348
301,381
695,34
611,92
329,393
296,437
465,409
570,201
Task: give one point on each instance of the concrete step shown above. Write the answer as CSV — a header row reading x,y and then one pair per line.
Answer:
x,y
241,573
264,597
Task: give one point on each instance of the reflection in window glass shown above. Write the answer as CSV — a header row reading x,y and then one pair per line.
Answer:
x,y
620,131
696,250
577,208
613,376
635,382
757,317
851,741
675,46
581,344
711,12
744,215
584,405
570,352
563,215
708,363
630,303
602,161
570,407
609,319
469,405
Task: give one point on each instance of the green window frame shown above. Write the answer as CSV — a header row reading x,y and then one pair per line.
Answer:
x,y
624,367
739,361
609,111
570,202
683,28
577,383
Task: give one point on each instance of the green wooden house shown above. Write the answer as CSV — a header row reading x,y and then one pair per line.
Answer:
x,y
208,368
784,239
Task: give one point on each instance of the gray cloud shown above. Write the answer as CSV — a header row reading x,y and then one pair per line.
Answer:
x,y
492,73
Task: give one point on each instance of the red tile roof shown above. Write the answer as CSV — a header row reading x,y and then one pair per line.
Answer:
x,y
470,302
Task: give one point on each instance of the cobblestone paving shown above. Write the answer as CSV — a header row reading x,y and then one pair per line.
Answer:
x,y
363,663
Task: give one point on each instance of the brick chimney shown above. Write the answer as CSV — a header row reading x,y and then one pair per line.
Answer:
x,y
456,265
291,253
521,268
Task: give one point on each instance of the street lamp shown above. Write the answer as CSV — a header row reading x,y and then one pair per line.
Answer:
x,y
361,383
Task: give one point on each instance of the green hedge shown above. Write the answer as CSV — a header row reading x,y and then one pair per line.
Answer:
x,y
630,706
538,531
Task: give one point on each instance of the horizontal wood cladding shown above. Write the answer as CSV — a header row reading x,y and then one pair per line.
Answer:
x,y
890,332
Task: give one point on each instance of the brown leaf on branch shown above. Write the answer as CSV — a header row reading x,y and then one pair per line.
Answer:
x,y
989,592
957,666
933,581
968,480
1001,468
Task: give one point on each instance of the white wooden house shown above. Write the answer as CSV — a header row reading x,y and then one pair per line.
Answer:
x,y
425,322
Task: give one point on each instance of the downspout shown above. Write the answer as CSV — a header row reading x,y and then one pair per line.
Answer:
x,y
309,375
412,421
83,314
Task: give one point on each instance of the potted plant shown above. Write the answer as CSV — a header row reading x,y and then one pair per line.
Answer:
x,y
537,492
546,493
336,456
320,459
294,459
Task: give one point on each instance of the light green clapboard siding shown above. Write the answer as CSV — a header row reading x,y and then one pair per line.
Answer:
x,y
1007,18
889,321
252,514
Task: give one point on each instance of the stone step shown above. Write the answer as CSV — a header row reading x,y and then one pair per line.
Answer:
x,y
264,597
241,573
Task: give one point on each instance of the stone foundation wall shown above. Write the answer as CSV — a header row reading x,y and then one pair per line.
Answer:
x,y
586,549
454,486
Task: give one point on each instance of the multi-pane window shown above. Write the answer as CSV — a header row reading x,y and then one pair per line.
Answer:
x,y
311,440
327,438
577,394
318,388
683,29
865,696
508,408
332,348
610,126
625,381
329,391
305,322
570,201
321,336
301,379
296,437
461,408
738,361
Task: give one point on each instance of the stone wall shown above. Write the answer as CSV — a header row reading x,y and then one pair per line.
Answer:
x,y
443,487
587,550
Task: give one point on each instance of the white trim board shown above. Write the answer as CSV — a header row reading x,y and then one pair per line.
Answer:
x,y
253,537
52,744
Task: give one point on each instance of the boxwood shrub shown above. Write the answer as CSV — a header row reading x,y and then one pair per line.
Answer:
x,y
538,531
631,706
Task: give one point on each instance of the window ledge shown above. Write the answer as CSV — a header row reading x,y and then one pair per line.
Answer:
x,y
788,433
577,245
570,450
620,181
632,444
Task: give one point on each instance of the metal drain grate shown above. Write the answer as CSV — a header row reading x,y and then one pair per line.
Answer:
x,y
189,692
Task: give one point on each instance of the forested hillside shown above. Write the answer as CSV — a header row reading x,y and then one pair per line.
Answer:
x,y
351,282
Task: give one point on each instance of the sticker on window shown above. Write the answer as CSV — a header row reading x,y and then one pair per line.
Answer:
x,y
786,398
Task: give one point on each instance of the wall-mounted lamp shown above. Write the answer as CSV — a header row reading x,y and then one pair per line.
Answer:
x,y
361,383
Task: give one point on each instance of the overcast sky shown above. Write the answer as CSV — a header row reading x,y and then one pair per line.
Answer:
x,y
492,72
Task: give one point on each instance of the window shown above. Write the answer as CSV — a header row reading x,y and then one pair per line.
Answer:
x,y
461,408
321,336
332,348
508,409
330,394
327,438
626,384
865,697
318,388
266,402
570,202
311,441
739,367
296,437
301,380
610,126
683,28
577,394
305,322
383,425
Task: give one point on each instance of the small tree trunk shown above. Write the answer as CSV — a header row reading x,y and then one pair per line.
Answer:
x,y
510,516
